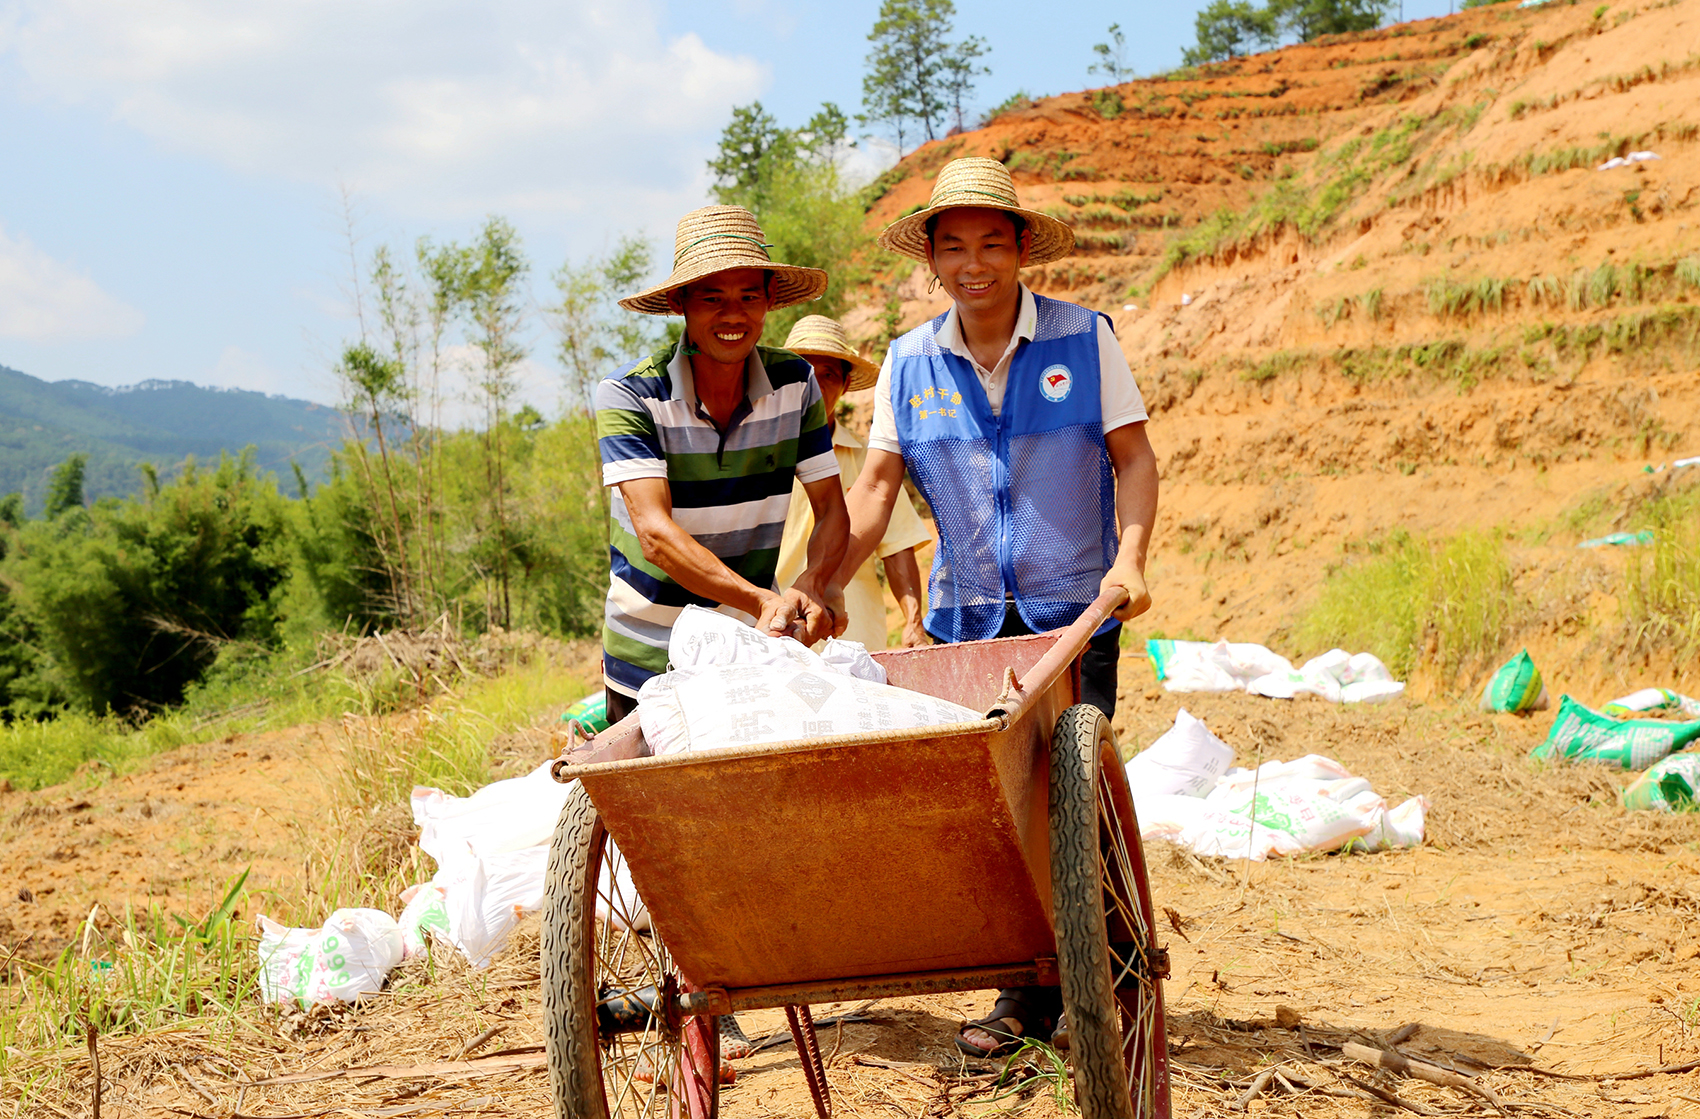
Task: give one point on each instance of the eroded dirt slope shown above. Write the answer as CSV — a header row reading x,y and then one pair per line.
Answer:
x,y
1377,282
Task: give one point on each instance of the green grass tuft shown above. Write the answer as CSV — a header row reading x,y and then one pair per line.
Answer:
x,y
1411,601
1450,299
144,972
1275,365
1661,600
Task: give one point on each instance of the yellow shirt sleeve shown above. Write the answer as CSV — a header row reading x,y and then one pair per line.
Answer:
x,y
794,544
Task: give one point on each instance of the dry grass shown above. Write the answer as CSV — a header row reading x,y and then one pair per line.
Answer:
x,y
1536,896
429,1013
175,1004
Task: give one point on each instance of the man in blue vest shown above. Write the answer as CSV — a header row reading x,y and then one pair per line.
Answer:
x,y
1019,420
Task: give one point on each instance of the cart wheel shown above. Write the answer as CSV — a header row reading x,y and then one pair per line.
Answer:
x,y
1107,952
609,1056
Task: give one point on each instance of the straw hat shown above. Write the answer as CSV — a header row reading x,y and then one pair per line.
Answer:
x,y
975,181
824,337
719,239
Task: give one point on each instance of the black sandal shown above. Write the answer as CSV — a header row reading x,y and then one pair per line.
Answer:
x,y
1007,1009
622,1010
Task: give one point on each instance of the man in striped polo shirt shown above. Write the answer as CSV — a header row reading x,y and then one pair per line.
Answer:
x,y
701,443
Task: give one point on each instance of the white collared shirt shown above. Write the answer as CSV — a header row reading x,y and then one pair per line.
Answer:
x,y
1118,393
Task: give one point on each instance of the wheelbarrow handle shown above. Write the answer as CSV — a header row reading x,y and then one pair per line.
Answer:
x,y
1102,607
1070,643
1075,638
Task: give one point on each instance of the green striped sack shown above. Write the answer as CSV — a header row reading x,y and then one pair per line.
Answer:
x,y
1580,734
1667,786
1515,687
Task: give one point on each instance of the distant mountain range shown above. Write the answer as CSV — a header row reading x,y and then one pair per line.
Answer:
x,y
162,422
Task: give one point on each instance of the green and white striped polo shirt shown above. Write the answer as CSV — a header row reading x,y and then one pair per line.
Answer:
x,y
731,490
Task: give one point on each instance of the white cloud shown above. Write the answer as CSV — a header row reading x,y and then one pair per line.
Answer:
x,y
43,300
862,162
438,109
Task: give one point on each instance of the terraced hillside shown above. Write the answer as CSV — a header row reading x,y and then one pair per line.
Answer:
x,y
1377,282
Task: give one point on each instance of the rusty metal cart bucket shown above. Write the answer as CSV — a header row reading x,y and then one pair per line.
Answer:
x,y
856,865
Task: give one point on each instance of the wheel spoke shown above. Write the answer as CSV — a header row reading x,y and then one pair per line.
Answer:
x,y
600,973
1131,940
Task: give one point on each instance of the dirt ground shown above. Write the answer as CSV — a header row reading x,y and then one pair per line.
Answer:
x,y
1538,928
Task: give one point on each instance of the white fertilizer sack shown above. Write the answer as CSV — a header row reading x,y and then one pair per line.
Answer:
x,y
1187,759
492,851
702,638
346,959
1229,666
749,704
1182,794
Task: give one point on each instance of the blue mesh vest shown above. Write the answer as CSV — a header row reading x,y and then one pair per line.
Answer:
x,y
1025,500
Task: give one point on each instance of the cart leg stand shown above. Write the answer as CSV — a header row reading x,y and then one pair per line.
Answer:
x,y
808,1055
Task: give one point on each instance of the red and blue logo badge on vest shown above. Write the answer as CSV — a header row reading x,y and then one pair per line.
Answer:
x,y
1055,383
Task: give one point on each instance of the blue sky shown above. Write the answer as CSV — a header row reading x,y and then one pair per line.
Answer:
x,y
170,204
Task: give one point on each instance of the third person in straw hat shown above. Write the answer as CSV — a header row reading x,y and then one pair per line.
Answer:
x,y
1019,420
701,443
840,369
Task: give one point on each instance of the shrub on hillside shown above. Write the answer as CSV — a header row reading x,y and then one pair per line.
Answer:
x,y
132,600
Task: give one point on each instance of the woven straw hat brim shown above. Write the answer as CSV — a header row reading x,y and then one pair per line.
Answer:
x,y
792,284
975,182
863,373
1047,238
715,239
822,336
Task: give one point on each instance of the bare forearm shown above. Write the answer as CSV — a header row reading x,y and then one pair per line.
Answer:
x,y
1135,465
827,545
903,576
869,503
1136,508
697,569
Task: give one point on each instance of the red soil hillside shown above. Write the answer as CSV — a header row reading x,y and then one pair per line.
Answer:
x,y
1377,282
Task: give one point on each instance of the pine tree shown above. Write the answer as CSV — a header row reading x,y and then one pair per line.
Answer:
x,y
1233,27
752,141
909,69
960,70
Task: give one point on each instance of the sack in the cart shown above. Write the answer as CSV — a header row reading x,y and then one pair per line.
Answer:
x,y
731,685
702,638
750,704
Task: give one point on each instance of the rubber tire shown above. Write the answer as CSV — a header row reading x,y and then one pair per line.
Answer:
x,y
568,968
1082,743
